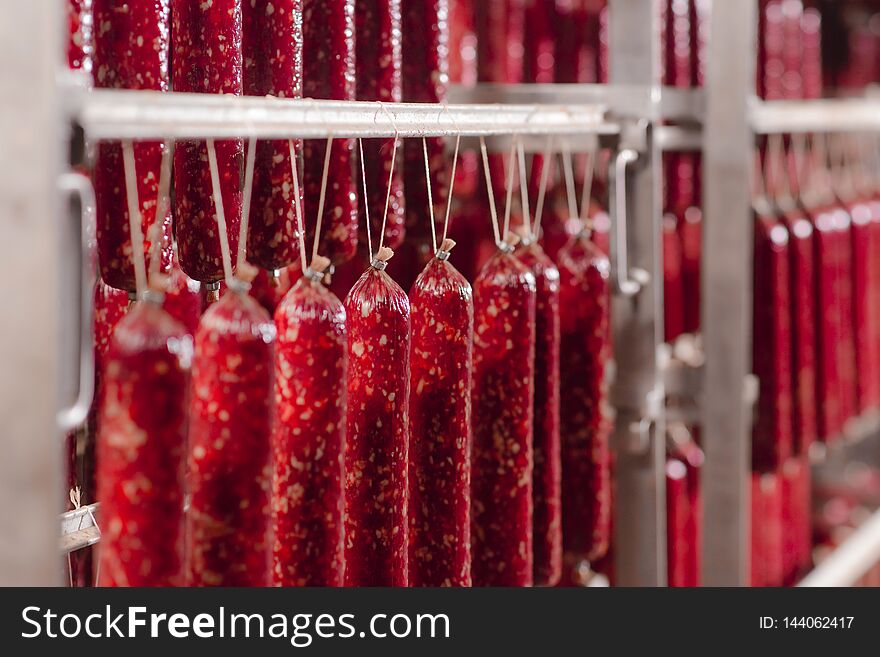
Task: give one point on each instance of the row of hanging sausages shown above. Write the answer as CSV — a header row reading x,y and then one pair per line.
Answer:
x,y
354,444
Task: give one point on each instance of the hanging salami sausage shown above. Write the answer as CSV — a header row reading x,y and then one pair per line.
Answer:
x,y
425,80
677,516
772,356
131,52
442,318
183,299
309,440
80,44
377,429
207,59
272,43
229,434
141,449
547,475
329,73
503,399
379,63
584,300
766,530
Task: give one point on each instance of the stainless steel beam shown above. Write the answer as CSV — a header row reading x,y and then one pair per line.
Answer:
x,y
640,519
727,292
32,379
112,114
827,115
852,560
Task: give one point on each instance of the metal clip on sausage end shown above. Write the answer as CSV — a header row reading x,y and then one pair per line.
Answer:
x,y
318,268
508,244
445,249
525,237
382,257
212,291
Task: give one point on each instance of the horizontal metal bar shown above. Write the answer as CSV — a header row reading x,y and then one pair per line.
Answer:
x,y
79,529
622,100
826,115
852,560
116,114
677,138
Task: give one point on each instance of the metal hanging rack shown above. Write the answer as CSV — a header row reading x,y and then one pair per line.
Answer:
x,y
633,113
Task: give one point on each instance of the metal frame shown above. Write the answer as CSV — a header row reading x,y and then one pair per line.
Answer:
x,y
637,392
630,114
727,293
36,380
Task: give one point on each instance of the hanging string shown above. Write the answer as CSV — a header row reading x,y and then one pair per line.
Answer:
x,y
390,175
524,187
547,163
246,201
300,224
493,212
451,186
322,197
774,167
454,167
219,211
366,204
163,200
430,195
586,192
568,170
134,218
507,207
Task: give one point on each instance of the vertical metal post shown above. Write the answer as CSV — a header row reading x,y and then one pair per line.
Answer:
x,y
727,292
640,520
32,149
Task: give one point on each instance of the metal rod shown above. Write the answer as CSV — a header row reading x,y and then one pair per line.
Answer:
x,y
726,296
852,560
638,439
829,115
149,115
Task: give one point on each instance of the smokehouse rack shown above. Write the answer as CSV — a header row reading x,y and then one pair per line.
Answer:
x,y
701,390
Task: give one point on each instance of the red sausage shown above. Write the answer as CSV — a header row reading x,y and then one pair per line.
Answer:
x,y
377,429
844,281
309,440
183,299
862,292
796,509
547,470
131,52
442,317
539,45
811,55
379,62
270,288
503,414
772,352
272,42
766,531
829,412
329,73
109,307
208,60
425,80
584,301
229,437
141,450
803,329
80,42
673,284
677,521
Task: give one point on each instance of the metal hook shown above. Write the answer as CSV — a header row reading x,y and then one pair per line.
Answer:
x,y
627,283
